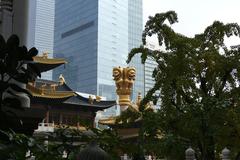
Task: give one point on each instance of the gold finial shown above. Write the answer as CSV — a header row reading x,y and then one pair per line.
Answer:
x,y
53,87
61,79
139,99
124,79
90,99
45,55
149,106
43,88
32,83
98,98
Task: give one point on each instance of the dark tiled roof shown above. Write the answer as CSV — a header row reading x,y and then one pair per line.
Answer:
x,y
80,100
45,64
76,101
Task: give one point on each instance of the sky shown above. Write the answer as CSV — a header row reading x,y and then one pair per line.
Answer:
x,y
195,15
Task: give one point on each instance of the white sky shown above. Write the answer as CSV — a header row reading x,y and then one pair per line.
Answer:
x,y
195,15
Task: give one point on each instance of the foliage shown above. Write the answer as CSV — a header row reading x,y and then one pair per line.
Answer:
x,y
47,147
108,140
198,80
51,146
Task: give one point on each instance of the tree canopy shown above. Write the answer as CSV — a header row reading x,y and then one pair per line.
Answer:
x,y
198,81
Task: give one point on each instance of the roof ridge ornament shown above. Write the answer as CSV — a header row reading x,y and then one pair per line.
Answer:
x,y
61,79
45,55
98,98
43,88
90,99
124,79
139,98
53,87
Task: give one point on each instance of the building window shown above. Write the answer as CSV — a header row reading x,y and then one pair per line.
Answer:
x,y
78,29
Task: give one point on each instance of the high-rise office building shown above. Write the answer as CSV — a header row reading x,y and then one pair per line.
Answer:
x,y
94,36
135,28
149,67
41,28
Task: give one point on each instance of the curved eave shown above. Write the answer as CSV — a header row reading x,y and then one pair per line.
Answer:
x,y
46,64
54,95
84,102
105,103
80,128
44,60
36,92
123,132
87,106
50,99
111,122
108,121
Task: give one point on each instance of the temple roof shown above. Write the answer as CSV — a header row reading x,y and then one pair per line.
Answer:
x,y
44,63
80,100
108,121
133,107
49,92
112,122
130,130
46,91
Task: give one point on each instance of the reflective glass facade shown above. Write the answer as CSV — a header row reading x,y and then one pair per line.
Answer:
x,y
135,23
40,28
148,69
93,37
112,42
76,40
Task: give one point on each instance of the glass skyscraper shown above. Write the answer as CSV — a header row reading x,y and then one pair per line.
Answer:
x,y
135,28
149,67
94,36
40,28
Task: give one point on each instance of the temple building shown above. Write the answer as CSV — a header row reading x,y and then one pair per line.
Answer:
x,y
55,104
63,105
51,101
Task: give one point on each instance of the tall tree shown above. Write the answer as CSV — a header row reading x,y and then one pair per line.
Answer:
x,y
198,81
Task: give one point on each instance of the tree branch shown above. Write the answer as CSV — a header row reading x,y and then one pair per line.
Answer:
x,y
224,81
